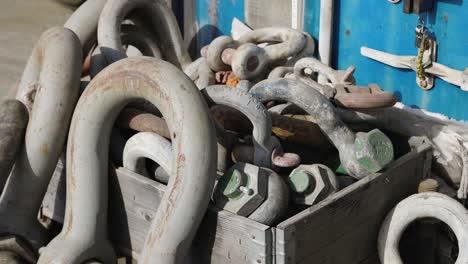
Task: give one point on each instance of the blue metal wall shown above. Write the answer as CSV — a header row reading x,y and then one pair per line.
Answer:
x,y
380,25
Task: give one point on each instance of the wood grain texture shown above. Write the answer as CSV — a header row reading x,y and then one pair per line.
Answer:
x,y
343,228
223,237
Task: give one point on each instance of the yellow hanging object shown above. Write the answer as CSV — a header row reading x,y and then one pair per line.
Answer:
x,y
419,61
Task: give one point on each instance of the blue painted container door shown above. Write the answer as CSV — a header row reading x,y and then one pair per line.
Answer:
x,y
380,25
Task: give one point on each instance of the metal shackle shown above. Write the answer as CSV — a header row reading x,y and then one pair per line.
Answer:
x,y
250,60
254,192
140,38
280,72
419,206
13,121
84,234
131,35
147,145
357,157
307,51
84,22
264,143
333,76
52,73
340,86
163,22
200,72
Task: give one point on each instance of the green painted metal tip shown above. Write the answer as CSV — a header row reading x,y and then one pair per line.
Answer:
x,y
230,183
300,181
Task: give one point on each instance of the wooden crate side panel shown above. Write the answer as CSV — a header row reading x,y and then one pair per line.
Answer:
x,y
343,228
223,237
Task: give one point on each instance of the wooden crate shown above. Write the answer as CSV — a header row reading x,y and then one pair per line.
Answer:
x,y
342,229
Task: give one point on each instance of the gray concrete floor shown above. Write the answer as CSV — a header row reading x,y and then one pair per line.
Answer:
x,y
21,24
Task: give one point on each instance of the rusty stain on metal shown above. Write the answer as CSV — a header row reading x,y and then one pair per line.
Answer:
x,y
131,118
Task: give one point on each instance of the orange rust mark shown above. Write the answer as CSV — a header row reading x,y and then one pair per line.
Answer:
x,y
233,81
45,148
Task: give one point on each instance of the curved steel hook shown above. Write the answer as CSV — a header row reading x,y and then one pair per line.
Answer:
x,y
418,206
323,112
151,146
264,143
143,40
135,35
84,235
53,70
84,22
249,60
163,21
340,87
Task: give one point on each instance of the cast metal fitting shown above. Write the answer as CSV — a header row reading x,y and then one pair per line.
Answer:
x,y
264,143
84,235
140,38
163,23
245,153
252,191
360,154
248,60
307,51
147,145
312,183
131,36
53,70
340,86
84,22
13,121
200,73
418,206
146,122
131,118
280,72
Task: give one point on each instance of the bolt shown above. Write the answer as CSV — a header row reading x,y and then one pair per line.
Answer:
x,y
301,181
232,182
245,190
312,183
373,150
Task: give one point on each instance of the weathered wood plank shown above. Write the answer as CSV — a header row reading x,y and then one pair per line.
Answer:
x,y
222,238
343,228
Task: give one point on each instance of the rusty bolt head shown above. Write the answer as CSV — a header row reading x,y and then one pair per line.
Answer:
x,y
242,189
312,183
373,150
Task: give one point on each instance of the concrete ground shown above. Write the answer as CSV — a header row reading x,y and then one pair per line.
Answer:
x,y
21,24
